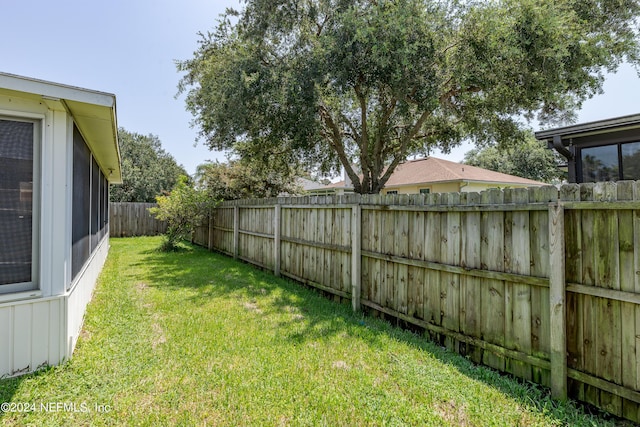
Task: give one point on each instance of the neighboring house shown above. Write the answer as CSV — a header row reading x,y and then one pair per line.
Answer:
x,y
58,154
304,186
604,150
309,185
433,175
314,187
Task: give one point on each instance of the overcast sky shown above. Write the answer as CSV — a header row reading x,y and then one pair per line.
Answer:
x,y
128,48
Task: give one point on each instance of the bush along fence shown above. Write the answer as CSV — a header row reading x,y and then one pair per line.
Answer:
x,y
133,219
541,283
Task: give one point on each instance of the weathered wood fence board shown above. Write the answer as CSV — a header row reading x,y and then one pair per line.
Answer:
x,y
541,283
133,219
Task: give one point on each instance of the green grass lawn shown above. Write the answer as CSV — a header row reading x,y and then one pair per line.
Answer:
x,y
195,338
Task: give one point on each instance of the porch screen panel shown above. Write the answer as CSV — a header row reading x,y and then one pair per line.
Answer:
x,y
104,207
16,202
95,205
80,218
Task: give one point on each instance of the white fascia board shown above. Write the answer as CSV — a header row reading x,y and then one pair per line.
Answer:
x,y
56,90
93,112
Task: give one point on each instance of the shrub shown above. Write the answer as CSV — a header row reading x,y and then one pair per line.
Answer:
x,y
183,209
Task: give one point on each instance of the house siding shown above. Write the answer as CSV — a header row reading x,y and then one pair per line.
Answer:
x,y
42,327
450,187
81,293
31,335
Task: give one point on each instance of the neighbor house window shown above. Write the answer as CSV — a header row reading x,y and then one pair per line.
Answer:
x,y
600,163
610,162
392,192
19,207
425,190
631,161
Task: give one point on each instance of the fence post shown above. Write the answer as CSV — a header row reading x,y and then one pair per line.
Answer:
x,y
236,231
356,258
557,295
276,240
211,225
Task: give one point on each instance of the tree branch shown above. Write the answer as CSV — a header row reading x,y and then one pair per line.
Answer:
x,y
402,151
378,150
363,142
335,140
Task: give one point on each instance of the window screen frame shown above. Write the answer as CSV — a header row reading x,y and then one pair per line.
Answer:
x,y
81,204
94,217
89,210
38,132
614,142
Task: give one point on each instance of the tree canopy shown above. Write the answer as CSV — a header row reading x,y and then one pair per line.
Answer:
x,y
240,179
530,159
363,84
147,169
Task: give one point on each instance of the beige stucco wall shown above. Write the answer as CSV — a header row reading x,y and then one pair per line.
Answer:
x,y
443,187
450,187
436,187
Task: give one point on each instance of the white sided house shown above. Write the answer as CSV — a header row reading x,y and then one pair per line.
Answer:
x,y
58,154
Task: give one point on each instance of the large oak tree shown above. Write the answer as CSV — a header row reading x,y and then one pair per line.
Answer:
x,y
242,179
364,84
147,169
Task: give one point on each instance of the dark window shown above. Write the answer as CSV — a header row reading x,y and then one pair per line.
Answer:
x,y
425,190
104,205
17,141
90,204
631,160
392,192
95,204
600,163
610,162
80,218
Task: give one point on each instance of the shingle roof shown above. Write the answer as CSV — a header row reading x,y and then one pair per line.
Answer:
x,y
432,169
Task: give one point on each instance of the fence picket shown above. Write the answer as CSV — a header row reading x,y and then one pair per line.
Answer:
x,y
476,271
133,219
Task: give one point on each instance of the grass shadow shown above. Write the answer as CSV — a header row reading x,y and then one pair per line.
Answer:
x,y
9,386
213,275
297,317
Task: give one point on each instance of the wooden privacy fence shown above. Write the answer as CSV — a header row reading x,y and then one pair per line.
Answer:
x,y
133,219
541,283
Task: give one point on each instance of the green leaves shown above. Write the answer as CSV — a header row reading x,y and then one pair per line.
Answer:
x,y
338,83
243,179
528,159
147,170
183,209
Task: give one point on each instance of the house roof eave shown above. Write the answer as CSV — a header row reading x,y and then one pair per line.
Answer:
x,y
94,113
591,128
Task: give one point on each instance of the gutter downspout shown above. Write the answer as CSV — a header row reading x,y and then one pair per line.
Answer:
x,y
569,154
